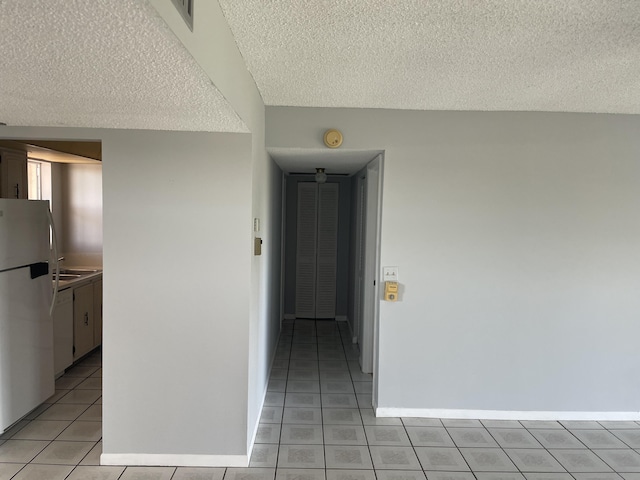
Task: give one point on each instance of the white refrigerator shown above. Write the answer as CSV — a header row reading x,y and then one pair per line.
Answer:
x,y
26,327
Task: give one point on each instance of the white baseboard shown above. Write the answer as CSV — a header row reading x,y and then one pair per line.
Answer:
x,y
257,425
354,338
264,397
503,414
160,460
339,318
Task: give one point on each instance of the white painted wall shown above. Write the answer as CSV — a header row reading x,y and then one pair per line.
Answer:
x,y
516,236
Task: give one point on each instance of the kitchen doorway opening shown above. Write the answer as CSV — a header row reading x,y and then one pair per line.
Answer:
x,y
67,174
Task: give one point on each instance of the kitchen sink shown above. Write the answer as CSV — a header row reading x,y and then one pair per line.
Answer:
x,y
77,271
66,276
70,274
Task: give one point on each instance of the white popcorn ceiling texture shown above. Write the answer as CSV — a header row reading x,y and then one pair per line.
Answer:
x,y
102,63
526,55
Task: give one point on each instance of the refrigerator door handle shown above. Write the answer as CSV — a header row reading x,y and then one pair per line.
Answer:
x,y
39,269
56,259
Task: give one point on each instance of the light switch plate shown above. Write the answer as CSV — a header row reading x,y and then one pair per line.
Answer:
x,y
389,274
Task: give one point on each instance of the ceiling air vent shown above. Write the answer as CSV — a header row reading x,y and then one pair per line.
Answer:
x,y
185,7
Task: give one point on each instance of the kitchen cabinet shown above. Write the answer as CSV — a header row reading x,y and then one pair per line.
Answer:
x,y
63,332
13,174
77,321
87,317
83,320
97,313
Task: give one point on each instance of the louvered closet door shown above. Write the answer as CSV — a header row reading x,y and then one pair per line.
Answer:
x,y
306,250
317,244
327,250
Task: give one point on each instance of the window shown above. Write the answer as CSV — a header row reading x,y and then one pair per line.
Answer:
x,y
39,180
34,176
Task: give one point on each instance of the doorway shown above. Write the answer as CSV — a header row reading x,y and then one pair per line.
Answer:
x,y
366,260
316,254
358,238
316,247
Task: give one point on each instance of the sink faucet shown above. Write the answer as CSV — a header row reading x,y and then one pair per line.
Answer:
x,y
60,259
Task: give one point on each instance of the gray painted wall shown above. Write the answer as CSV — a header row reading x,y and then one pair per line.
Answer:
x,y
212,45
265,284
352,263
177,285
344,222
353,305
516,236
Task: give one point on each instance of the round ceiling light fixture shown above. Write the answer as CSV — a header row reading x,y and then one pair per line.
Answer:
x,y
333,138
321,177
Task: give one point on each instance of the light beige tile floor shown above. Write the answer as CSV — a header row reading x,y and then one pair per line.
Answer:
x,y
318,424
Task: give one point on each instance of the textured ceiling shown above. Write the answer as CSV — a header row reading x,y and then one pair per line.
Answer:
x,y
102,63
542,55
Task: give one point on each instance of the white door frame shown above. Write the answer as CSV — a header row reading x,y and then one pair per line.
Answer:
x,y
283,237
366,326
359,206
370,295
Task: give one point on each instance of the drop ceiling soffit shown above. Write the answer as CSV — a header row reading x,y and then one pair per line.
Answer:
x,y
103,63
